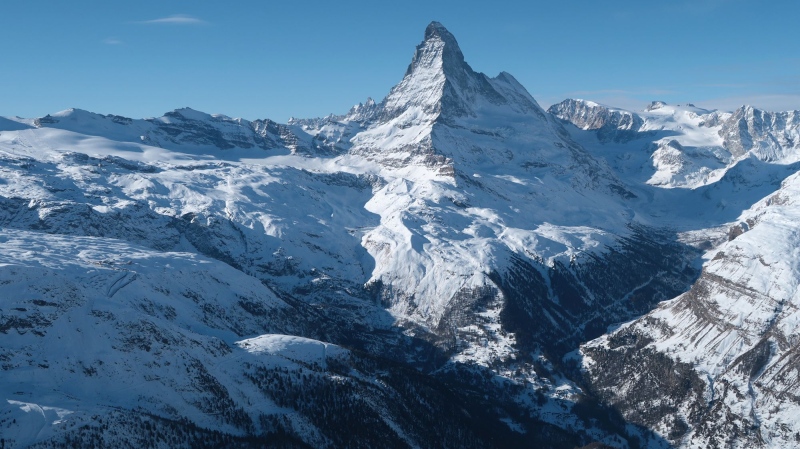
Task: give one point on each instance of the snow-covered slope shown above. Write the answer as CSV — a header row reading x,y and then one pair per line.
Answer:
x,y
714,366
718,365
186,128
122,337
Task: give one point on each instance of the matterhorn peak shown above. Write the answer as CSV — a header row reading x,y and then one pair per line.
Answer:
x,y
438,51
439,82
436,29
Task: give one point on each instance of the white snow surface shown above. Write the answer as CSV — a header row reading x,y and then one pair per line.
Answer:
x,y
291,347
750,298
99,324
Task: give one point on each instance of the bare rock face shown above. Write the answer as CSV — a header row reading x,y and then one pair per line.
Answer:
x,y
655,105
772,136
611,125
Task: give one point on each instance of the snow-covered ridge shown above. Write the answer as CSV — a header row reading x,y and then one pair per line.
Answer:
x,y
291,347
185,128
684,145
440,82
611,124
773,137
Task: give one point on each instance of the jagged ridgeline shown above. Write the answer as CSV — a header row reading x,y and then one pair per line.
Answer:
x,y
452,266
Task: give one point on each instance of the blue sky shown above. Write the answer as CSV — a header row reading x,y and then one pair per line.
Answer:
x,y
271,59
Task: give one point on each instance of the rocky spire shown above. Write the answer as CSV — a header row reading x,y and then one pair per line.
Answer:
x,y
439,49
438,81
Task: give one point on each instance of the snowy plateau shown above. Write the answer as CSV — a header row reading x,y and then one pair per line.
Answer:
x,y
450,267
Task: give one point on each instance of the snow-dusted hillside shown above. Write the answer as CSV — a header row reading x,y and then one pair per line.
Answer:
x,y
718,365
410,273
184,128
102,337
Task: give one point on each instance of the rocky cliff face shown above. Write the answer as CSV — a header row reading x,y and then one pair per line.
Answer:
x,y
769,136
611,125
716,366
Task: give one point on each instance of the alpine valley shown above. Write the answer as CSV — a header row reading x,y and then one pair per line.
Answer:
x,y
450,267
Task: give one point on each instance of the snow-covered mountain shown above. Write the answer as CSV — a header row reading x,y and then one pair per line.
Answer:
x,y
713,367
418,272
682,146
181,128
718,365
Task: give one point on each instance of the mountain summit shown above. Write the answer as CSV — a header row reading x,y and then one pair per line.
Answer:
x,y
438,43
432,117
439,82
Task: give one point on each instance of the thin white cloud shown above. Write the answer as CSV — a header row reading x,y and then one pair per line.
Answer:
x,y
112,41
176,19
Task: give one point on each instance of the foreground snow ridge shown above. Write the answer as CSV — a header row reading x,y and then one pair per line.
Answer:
x,y
291,347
